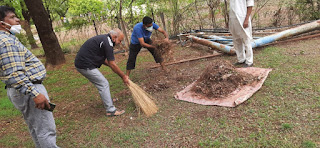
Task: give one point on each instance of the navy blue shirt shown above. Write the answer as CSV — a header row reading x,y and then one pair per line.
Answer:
x,y
140,32
94,52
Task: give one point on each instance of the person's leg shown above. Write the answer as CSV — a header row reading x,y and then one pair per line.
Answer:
x,y
249,52
133,52
40,122
102,84
239,48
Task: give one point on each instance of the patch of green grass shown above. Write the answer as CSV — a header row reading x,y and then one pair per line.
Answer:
x,y
9,140
38,51
308,144
129,138
286,126
7,109
209,143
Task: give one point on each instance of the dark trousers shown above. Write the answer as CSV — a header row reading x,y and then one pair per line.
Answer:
x,y
134,49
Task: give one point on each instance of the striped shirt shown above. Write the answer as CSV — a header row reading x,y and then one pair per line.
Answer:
x,y
18,66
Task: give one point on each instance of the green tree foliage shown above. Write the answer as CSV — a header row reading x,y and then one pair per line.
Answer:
x,y
85,7
308,9
57,8
83,11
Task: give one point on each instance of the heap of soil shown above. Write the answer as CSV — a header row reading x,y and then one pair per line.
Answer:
x,y
220,79
163,48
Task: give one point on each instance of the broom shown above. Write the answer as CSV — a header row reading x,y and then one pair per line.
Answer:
x,y
142,99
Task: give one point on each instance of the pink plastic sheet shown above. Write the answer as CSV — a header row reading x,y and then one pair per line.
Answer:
x,y
233,99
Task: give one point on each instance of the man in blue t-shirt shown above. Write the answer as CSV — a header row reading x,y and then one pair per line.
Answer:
x,y
141,38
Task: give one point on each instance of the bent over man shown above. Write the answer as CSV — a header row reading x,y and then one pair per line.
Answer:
x,y
241,30
141,38
23,73
93,53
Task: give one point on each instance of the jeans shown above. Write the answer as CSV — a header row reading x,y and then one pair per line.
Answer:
x,y
40,122
102,84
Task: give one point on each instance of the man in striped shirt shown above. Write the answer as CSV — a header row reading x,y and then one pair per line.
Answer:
x,y
23,74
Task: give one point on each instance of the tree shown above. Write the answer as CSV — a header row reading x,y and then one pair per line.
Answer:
x,y
123,28
175,17
51,46
57,8
213,5
26,25
308,9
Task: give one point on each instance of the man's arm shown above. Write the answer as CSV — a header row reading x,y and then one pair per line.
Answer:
x,y
246,21
144,44
118,71
164,33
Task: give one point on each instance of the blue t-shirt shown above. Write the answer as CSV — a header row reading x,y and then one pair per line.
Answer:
x,y
140,32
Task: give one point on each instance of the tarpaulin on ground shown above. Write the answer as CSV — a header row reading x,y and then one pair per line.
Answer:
x,y
233,99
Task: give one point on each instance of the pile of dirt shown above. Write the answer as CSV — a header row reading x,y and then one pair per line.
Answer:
x,y
220,79
163,48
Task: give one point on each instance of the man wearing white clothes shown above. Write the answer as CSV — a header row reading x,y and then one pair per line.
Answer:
x,y
241,30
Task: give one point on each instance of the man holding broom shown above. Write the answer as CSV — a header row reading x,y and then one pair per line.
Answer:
x,y
93,53
141,38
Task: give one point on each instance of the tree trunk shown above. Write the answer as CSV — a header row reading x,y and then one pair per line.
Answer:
x,y
27,28
226,14
123,28
131,13
95,27
200,19
213,20
175,18
51,46
163,21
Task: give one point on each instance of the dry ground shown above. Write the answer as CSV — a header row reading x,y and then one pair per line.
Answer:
x,y
284,113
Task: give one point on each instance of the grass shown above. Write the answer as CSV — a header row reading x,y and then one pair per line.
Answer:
x,y
283,113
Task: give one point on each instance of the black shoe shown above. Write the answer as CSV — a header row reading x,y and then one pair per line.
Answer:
x,y
247,65
238,63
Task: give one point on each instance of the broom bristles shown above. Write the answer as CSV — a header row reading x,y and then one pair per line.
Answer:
x,y
142,99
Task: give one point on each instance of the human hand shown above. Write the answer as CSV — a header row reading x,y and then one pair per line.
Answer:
x,y
318,21
153,47
125,80
41,101
245,24
166,39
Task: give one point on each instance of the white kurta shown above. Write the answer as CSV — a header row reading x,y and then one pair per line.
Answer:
x,y
241,36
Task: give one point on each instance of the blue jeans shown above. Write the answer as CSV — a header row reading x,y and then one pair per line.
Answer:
x,y
102,84
40,122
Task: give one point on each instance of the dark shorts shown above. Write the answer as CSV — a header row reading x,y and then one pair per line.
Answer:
x,y
134,49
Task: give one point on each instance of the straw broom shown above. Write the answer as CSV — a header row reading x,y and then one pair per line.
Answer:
x,y
142,99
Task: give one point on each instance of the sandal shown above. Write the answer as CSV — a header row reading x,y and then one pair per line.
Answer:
x,y
115,113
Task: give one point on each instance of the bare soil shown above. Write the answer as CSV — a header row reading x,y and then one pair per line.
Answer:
x,y
220,79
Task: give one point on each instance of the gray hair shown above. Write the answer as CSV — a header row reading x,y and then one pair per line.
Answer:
x,y
113,32
116,32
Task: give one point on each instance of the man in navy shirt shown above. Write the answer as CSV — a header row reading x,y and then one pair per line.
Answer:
x,y
141,38
93,53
